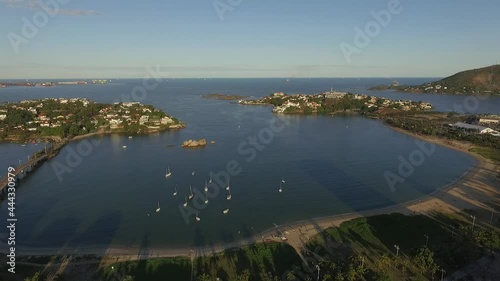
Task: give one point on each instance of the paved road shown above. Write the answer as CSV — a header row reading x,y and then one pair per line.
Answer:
x,y
4,181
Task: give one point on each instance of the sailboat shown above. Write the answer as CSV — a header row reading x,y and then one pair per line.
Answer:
x,y
206,198
281,189
168,173
227,187
191,195
229,195
185,203
197,218
282,180
175,190
206,187
158,210
225,211
210,180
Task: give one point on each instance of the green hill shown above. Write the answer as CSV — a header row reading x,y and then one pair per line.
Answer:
x,y
481,81
485,79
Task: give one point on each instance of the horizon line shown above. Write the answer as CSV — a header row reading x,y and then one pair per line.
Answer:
x,y
289,78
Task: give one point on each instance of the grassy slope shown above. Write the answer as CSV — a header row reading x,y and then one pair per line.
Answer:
x,y
375,237
488,153
486,78
259,260
372,238
153,269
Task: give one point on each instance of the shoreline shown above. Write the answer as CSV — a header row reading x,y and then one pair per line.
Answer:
x,y
481,179
57,139
103,133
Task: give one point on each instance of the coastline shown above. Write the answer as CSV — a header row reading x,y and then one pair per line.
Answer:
x,y
473,190
80,137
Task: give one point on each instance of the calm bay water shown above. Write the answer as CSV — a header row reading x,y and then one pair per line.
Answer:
x,y
331,165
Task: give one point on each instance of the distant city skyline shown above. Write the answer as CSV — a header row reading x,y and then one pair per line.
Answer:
x,y
61,39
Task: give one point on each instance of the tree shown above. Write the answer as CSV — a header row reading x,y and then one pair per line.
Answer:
x,y
245,275
290,276
73,130
37,277
204,277
424,259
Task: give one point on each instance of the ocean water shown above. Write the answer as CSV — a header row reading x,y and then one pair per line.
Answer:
x,y
95,193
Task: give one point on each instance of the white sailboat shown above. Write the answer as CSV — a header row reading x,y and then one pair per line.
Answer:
x,y
281,189
185,203
206,198
158,209
206,187
227,187
168,173
175,190
282,180
191,195
210,180
229,195
197,218
225,211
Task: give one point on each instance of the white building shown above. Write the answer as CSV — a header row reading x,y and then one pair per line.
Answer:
x,y
479,129
489,121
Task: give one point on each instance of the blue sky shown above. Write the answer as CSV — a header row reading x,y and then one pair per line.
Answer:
x,y
256,38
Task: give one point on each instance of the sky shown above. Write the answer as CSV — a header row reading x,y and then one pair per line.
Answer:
x,y
246,38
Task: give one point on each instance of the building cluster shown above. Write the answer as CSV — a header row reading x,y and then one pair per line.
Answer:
x,y
298,102
435,88
475,128
36,108
486,124
133,113
405,105
112,116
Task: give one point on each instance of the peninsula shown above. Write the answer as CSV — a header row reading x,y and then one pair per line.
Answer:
x,y
334,102
481,81
408,116
58,119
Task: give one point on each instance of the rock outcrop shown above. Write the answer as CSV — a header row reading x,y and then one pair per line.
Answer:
x,y
194,143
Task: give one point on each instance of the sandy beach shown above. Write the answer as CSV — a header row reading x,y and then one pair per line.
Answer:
x,y
478,189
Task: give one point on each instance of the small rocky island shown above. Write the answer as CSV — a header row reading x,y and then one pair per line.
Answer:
x,y
223,97
194,143
64,119
334,102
